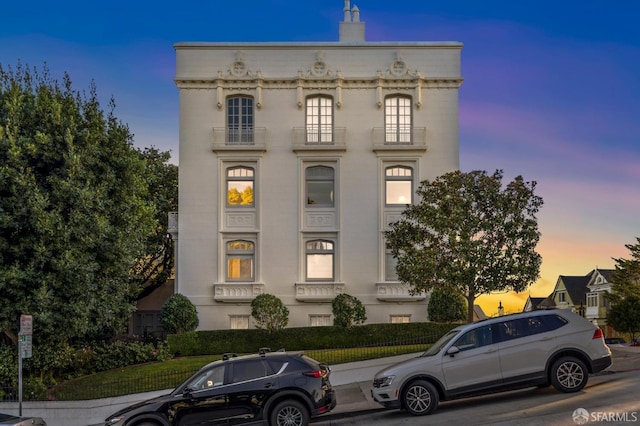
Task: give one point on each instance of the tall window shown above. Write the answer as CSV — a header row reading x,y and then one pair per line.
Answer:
x,y
397,119
319,119
320,255
240,260
320,185
240,183
592,300
390,264
398,185
240,120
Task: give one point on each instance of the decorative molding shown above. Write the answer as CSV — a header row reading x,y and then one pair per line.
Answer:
x,y
396,292
237,292
318,292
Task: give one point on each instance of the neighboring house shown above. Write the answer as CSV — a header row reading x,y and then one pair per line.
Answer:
x,y
145,321
478,313
294,160
584,295
532,303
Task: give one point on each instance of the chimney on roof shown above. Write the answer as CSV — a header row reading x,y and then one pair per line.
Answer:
x,y
351,29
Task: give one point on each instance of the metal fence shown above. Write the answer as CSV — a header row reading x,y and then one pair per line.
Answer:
x,y
122,385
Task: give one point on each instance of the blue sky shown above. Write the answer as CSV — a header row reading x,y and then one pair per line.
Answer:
x,y
551,90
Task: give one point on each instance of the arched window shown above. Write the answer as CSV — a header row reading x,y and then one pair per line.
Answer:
x,y
319,260
240,260
240,120
397,119
398,182
320,186
240,186
319,119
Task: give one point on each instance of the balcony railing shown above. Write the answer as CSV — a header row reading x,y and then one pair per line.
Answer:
x,y
414,138
251,139
329,139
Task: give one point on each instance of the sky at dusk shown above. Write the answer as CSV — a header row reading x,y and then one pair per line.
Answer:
x,y
551,90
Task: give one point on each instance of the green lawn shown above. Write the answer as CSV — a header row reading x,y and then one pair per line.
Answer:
x,y
169,374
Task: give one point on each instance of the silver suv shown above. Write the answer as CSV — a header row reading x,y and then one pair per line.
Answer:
x,y
536,348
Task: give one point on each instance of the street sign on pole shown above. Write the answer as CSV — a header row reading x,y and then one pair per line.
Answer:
x,y
26,325
26,345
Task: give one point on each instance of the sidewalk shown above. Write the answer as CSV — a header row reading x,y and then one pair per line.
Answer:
x,y
354,397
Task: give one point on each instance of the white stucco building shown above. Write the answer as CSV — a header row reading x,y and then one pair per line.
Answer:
x,y
294,157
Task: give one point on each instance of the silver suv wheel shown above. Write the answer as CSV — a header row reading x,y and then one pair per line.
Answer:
x,y
569,374
420,398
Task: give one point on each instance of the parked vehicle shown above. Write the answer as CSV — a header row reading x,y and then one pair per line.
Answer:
x,y
615,341
9,420
538,348
636,342
274,388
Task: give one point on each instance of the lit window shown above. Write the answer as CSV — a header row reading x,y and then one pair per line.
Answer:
x,y
319,119
240,120
320,183
240,260
240,182
319,320
320,254
397,119
398,185
400,319
239,322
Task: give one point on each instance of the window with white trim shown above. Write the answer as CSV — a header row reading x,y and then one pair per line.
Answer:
x,y
240,120
397,119
319,320
319,116
398,184
400,319
562,297
592,300
320,186
390,264
239,322
240,186
319,255
240,260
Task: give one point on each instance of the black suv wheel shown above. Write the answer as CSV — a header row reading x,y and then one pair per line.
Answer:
x,y
289,413
569,374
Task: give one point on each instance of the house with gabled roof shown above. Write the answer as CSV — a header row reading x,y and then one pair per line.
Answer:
x,y
584,295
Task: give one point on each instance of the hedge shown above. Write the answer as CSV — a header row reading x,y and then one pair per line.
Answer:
x,y
214,342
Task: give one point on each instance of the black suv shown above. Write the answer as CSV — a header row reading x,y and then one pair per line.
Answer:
x,y
274,388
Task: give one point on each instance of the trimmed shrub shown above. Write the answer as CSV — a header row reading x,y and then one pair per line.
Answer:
x,y
178,314
269,312
347,311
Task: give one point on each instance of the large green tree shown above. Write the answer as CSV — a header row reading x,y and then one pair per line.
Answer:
x,y
624,313
625,280
74,212
156,264
469,232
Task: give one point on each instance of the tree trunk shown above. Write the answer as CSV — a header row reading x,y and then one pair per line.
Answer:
x,y
471,298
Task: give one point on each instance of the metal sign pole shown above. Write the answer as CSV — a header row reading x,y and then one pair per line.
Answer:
x,y
20,377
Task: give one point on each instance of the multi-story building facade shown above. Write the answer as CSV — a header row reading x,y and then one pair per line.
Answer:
x,y
294,158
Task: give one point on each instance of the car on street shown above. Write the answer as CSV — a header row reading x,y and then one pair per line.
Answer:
x,y
615,341
538,348
9,420
272,388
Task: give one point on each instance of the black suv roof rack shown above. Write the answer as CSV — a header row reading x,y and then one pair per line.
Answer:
x,y
228,355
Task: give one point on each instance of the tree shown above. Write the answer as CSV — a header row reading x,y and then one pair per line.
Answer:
x,y
468,233
74,211
625,280
179,315
624,316
446,305
269,312
155,265
347,311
